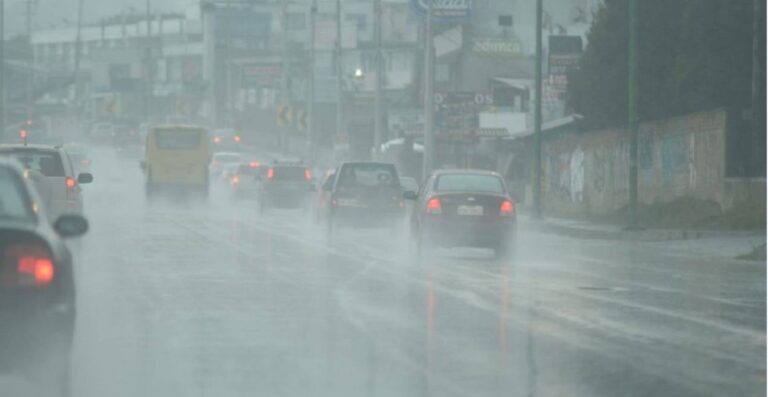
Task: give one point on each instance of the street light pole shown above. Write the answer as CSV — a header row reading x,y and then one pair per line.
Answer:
x,y
148,53
2,71
378,133
78,56
537,212
313,141
339,74
429,96
632,113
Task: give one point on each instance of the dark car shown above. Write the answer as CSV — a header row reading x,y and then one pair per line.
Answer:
x,y
285,185
37,287
463,208
364,194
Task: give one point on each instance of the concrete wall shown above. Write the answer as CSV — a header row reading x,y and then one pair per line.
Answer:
x,y
587,173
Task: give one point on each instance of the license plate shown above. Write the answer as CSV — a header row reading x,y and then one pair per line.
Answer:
x,y
472,210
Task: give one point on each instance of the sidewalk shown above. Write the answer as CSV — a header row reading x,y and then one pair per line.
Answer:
x,y
597,231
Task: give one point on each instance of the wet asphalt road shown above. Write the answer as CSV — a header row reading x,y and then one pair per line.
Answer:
x,y
187,299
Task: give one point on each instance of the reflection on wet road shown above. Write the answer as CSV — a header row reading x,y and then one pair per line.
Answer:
x,y
210,299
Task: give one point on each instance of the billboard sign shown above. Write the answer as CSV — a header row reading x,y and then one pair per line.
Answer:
x,y
445,10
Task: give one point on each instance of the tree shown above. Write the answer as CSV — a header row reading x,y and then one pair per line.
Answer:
x,y
693,55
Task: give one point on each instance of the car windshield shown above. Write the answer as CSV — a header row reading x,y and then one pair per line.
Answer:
x,y
368,176
469,183
177,139
46,162
14,201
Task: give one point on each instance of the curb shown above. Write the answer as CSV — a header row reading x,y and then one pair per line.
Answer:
x,y
627,235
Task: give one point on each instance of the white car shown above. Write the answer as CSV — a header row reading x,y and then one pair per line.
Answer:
x,y
51,170
224,164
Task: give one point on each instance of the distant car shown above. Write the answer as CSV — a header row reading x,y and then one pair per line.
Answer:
x,y
363,194
245,181
409,183
225,139
64,195
78,154
127,140
224,163
285,185
37,284
463,208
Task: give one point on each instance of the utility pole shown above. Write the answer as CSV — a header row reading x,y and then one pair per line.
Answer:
x,y
30,63
632,111
285,96
2,71
313,141
339,74
429,96
78,55
148,53
378,132
537,213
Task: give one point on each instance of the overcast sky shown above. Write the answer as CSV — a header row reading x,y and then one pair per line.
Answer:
x,y
54,12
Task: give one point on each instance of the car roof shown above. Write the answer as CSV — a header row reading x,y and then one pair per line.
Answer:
x,y
14,146
228,154
465,172
367,163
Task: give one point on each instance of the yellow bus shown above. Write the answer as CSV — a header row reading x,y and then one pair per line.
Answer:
x,y
176,158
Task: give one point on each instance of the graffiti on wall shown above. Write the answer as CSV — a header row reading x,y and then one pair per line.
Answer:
x,y
674,155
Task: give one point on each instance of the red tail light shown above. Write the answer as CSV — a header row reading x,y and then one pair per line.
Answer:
x,y
254,164
507,208
237,138
308,174
23,134
270,173
216,139
434,206
33,265
71,182
235,180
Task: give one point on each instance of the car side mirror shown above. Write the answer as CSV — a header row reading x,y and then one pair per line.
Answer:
x,y
410,195
84,178
70,226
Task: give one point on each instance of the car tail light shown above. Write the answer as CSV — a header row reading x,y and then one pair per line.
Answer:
x,y
216,139
254,164
33,266
507,208
434,206
237,138
235,180
308,174
270,173
71,182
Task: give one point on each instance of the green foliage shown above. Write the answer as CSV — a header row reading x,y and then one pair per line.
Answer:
x,y
693,55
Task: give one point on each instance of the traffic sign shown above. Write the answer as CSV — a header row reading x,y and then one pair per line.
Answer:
x,y
284,115
301,119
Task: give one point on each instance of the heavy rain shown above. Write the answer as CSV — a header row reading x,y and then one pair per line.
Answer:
x,y
382,198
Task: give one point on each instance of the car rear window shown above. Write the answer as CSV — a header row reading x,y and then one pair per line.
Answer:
x,y
228,158
45,162
469,183
289,174
177,139
14,202
368,175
